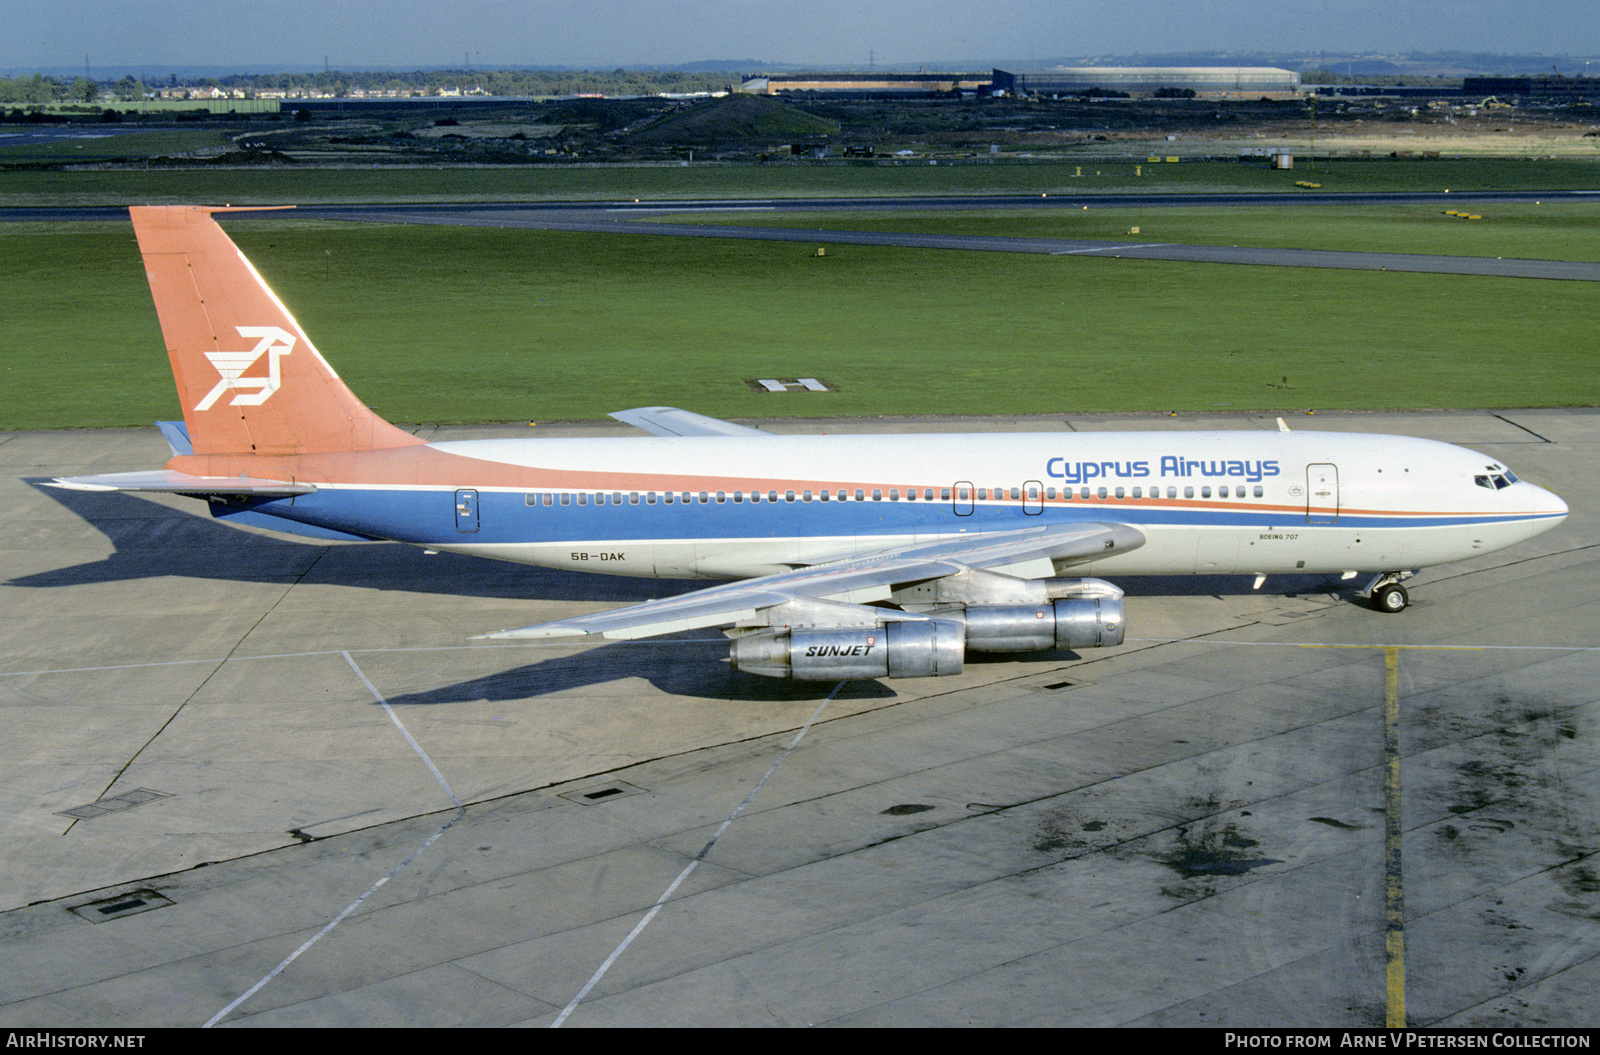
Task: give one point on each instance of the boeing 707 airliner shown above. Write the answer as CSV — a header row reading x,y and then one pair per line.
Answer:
x,y
853,556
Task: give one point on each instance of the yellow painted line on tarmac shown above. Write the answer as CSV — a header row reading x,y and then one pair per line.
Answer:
x,y
1394,906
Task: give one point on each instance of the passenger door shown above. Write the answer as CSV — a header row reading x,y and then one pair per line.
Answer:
x,y
1322,493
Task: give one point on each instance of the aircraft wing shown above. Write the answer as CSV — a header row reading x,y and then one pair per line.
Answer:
x,y
167,481
1027,552
670,421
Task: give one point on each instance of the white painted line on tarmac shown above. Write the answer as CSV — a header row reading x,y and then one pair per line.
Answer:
x,y
373,889
704,850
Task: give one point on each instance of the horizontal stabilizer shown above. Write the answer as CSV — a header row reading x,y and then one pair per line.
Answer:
x,y
176,433
670,421
169,482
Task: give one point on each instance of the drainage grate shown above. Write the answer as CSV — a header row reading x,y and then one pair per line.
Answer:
x,y
115,804
617,789
129,904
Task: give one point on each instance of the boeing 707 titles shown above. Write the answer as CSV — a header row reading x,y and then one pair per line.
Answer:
x,y
853,556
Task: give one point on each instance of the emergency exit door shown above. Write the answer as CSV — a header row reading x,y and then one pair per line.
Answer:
x,y
467,511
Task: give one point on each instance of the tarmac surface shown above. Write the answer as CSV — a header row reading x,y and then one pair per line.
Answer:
x,y
312,801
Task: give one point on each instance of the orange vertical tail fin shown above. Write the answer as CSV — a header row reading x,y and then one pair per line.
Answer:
x,y
250,380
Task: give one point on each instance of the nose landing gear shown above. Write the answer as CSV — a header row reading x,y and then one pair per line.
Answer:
x,y
1386,592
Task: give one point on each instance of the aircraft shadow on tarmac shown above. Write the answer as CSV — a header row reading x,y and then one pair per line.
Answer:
x,y
152,540
695,668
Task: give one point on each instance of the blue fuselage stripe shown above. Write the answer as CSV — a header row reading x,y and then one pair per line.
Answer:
x,y
430,516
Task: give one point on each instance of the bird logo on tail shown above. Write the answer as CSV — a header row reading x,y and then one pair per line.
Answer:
x,y
274,343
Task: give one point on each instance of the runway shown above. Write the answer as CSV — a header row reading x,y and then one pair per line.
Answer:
x,y
314,802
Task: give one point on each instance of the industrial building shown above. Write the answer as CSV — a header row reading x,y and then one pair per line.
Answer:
x,y
1563,88
868,84
1211,82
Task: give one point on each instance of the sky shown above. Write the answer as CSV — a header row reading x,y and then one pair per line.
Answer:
x,y
602,34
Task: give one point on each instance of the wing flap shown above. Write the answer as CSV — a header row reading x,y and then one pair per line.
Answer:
x,y
855,581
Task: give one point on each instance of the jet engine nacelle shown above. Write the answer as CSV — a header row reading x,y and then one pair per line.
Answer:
x,y
932,647
922,648
1073,622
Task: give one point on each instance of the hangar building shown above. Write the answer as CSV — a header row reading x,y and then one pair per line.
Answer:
x,y
1207,81
868,84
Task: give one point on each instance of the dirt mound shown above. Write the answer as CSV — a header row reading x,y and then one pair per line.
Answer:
x,y
733,120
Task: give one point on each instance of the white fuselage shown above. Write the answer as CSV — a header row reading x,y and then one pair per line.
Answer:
x,y
732,507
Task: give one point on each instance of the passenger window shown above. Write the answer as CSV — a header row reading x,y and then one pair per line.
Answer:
x,y
788,496
1188,492
1259,491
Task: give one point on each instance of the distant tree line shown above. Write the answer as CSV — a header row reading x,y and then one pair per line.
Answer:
x,y
39,89
494,82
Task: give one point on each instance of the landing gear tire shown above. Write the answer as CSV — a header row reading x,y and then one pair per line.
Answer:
x,y
1391,598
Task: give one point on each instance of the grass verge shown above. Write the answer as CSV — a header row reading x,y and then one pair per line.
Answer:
x,y
464,324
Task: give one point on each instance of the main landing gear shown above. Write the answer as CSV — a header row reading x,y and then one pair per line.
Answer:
x,y
1386,592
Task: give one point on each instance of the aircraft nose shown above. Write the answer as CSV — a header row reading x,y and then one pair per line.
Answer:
x,y
1549,504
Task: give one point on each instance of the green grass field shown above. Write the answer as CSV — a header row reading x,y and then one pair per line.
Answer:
x,y
460,324
20,187
1557,231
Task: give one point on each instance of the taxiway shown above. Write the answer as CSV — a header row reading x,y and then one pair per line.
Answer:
x,y
253,781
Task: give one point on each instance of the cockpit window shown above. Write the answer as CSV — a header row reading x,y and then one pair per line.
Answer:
x,y
1497,481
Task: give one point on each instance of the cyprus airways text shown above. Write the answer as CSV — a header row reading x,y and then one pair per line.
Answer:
x,y
1169,467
